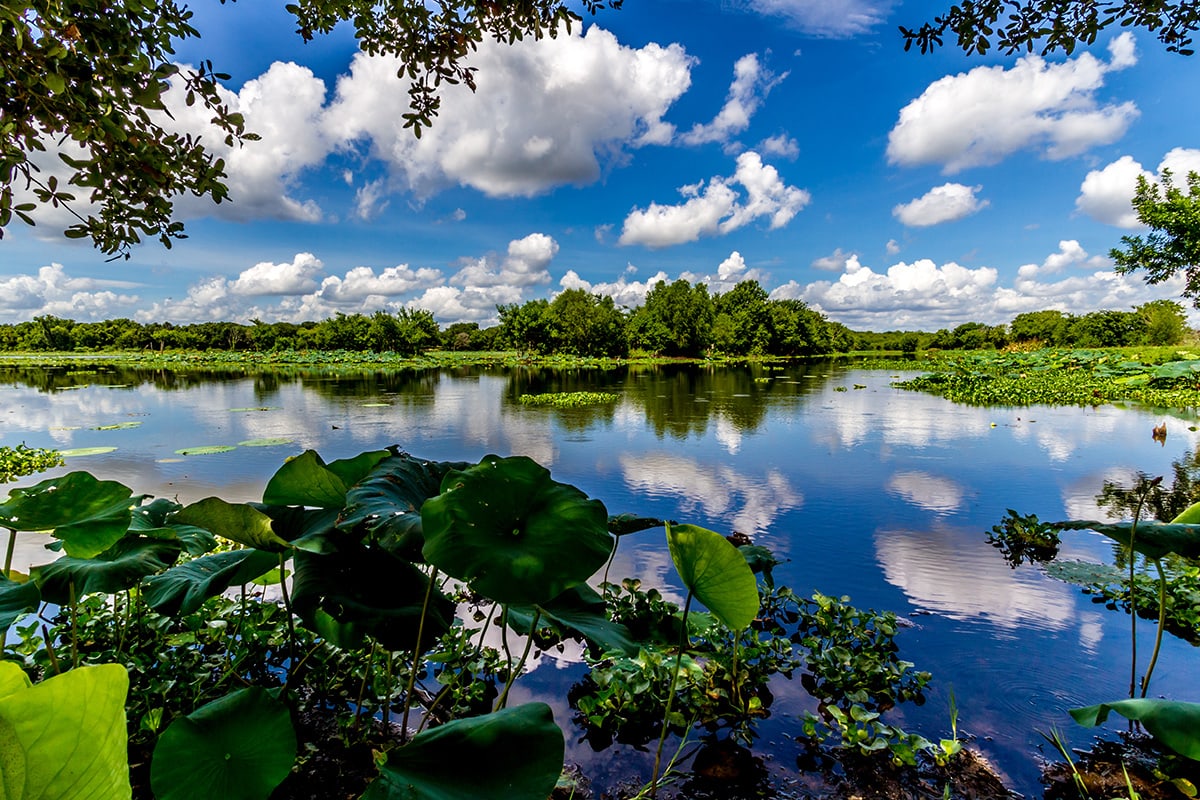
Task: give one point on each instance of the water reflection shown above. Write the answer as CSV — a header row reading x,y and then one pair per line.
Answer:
x,y
930,492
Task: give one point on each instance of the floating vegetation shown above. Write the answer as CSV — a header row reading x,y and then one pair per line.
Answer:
x,y
840,389
256,408
78,452
64,428
19,461
205,450
376,405
118,426
568,399
265,442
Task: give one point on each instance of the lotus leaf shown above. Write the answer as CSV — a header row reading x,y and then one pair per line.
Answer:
x,y
579,611
79,452
64,737
237,522
87,514
1174,723
116,569
716,573
307,480
388,501
514,534
205,450
239,747
515,754
154,521
359,591
17,598
1152,539
184,588
268,442
311,529
625,524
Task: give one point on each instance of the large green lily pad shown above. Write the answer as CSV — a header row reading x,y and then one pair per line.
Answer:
x,y
87,514
1152,539
513,533
237,522
514,754
17,598
120,567
577,612
1174,723
716,573
184,588
307,480
64,737
239,747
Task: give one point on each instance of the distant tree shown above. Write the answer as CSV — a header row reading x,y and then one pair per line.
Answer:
x,y
797,330
1174,242
460,336
1106,329
525,327
1164,320
417,331
1049,25
743,320
910,343
585,324
1049,327
676,320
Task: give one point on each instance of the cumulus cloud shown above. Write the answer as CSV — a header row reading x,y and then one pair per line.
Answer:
x,y
751,84
1106,194
835,19
893,247
265,278
980,117
927,296
945,203
53,291
834,262
781,146
361,283
546,113
624,292
717,208
524,264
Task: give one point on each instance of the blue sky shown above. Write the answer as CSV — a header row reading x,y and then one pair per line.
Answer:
x,y
790,141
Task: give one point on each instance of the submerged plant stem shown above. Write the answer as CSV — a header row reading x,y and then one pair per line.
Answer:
x,y
1162,614
412,675
683,639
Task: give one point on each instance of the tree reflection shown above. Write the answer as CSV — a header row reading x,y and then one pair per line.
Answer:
x,y
1163,502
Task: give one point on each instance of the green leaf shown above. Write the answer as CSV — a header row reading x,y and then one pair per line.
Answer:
x,y
155,521
1190,515
116,569
625,524
239,747
17,598
237,522
578,611
306,481
1174,723
387,502
205,450
184,588
64,737
514,534
715,572
515,754
1152,539
358,591
353,470
87,514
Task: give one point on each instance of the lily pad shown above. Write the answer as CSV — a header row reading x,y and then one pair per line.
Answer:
x,y
1174,723
307,480
270,442
256,408
376,405
17,598
205,450
87,514
239,747
237,522
513,533
184,588
78,452
1085,573
716,573
118,568
118,426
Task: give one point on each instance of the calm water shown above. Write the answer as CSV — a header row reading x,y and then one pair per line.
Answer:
x,y
869,491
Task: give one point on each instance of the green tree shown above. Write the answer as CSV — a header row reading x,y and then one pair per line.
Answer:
x,y
95,72
525,327
1106,329
1174,242
1164,321
676,320
743,320
1049,25
585,324
797,330
1049,327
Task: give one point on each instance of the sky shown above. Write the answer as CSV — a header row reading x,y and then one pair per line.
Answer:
x,y
793,142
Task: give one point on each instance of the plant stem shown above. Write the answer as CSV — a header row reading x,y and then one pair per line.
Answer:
x,y
1162,614
513,673
8,556
74,627
287,608
1137,509
683,639
611,557
50,651
417,653
362,687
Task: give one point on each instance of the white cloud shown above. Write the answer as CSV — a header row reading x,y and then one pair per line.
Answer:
x,y
893,247
828,18
751,84
781,146
982,116
54,292
945,203
524,265
369,200
624,292
547,113
361,283
717,208
834,262
927,296
1106,194
265,278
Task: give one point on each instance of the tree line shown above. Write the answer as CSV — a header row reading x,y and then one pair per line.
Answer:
x,y
677,320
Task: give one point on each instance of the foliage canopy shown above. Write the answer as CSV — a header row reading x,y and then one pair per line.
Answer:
x,y
1173,244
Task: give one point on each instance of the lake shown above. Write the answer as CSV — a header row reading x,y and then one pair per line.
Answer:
x,y
868,491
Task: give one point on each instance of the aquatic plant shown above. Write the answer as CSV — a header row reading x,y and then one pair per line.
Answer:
x,y
568,399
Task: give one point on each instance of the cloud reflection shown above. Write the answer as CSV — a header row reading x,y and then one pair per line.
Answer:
x,y
940,495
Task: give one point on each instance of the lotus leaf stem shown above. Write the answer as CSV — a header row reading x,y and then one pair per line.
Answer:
x,y
611,558
412,675
683,639
50,651
502,700
362,687
74,626
287,608
8,556
1137,510
1162,614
